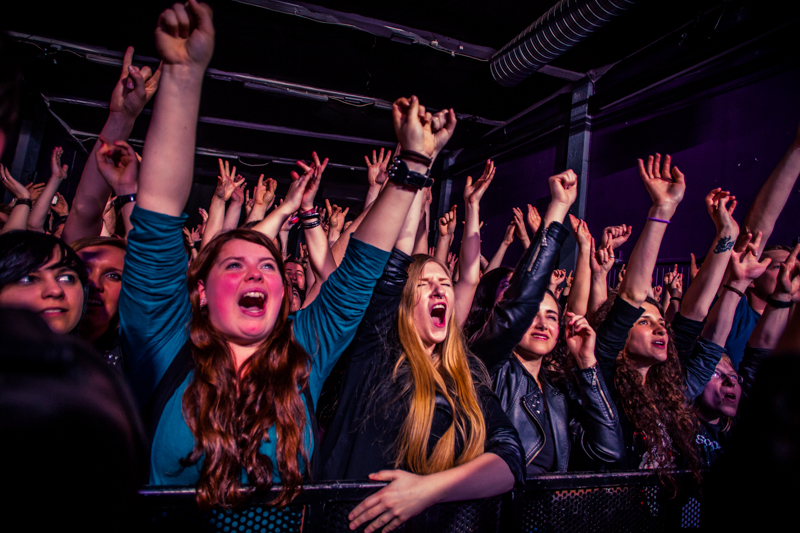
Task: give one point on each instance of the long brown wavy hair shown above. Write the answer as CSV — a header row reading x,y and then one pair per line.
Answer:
x,y
657,408
230,412
448,373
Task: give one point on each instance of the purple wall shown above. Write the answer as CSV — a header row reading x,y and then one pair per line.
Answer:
x,y
731,140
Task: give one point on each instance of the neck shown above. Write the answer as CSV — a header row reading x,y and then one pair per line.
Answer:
x,y
532,363
756,302
704,415
241,353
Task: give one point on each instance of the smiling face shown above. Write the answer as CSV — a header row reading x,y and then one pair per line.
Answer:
x,y
542,337
54,292
104,264
244,292
648,339
721,395
433,308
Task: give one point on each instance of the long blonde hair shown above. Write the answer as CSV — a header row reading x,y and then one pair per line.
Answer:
x,y
448,373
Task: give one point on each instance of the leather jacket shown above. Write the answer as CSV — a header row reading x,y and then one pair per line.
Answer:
x,y
580,411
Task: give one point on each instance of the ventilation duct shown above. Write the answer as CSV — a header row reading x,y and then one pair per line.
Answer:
x,y
563,26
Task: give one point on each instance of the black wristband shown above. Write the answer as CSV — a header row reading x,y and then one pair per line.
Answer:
x,y
408,155
676,298
312,224
400,174
309,216
58,220
737,291
778,304
123,199
24,201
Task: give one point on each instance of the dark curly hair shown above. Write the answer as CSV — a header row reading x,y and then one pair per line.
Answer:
x,y
657,408
483,301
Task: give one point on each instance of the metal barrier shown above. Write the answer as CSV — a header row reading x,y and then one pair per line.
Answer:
x,y
618,502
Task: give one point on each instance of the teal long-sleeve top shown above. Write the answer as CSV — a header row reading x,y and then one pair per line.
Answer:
x,y
155,313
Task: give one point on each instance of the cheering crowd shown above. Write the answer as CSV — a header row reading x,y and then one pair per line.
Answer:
x,y
362,354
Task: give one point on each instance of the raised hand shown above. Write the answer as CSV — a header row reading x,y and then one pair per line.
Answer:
x,y
227,181
34,190
616,236
519,227
581,231
474,192
787,286
14,187
57,170
203,216
376,169
556,278
657,290
665,183
443,124
447,224
119,166
720,205
602,260
508,238
61,207
185,35
673,282
581,340
237,196
563,188
418,130
314,172
745,266
452,259
135,87
621,274
569,279
533,219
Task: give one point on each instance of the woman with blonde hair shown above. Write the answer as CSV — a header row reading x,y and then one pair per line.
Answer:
x,y
415,408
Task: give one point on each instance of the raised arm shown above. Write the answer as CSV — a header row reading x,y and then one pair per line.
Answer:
x,y
18,219
447,230
469,260
578,302
234,211
600,262
376,174
519,228
776,314
57,174
508,238
772,196
673,293
119,166
185,40
703,290
666,186
263,198
133,90
227,183
423,228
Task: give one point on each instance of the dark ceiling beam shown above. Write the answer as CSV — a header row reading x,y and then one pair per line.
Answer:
x,y
389,30
104,56
241,124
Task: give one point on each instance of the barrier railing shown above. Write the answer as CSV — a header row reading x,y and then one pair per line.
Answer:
x,y
613,502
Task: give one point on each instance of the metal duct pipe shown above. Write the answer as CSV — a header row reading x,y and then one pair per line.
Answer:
x,y
563,26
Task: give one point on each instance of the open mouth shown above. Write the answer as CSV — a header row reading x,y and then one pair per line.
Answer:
x,y
730,397
660,344
253,302
438,315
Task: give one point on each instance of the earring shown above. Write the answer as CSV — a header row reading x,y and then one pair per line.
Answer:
x,y
202,302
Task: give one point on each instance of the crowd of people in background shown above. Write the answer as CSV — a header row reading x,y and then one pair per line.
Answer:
x,y
363,354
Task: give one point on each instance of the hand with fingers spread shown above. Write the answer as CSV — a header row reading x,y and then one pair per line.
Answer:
x,y
581,340
314,173
227,181
474,192
533,219
135,87
403,498
57,170
376,169
18,190
665,183
745,266
519,227
185,36
616,236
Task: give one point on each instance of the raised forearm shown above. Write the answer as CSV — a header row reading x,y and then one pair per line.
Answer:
x,y
598,293
216,219
443,244
700,294
720,318
497,258
636,285
408,233
319,254
42,206
382,224
232,216
18,219
578,301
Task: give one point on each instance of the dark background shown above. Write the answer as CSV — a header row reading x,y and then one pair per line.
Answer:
x,y
714,83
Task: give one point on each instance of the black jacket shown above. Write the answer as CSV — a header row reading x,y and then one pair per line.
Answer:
x,y
579,412
361,437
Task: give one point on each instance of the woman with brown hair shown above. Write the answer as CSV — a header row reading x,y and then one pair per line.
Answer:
x,y
415,408
235,408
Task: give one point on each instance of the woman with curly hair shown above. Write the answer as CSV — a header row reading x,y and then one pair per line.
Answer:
x,y
229,398
543,371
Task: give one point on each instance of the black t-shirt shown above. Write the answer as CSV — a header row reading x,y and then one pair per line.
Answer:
x,y
709,441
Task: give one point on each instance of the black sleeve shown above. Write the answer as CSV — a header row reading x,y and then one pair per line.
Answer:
x,y
502,438
749,365
613,334
700,366
512,317
596,428
685,332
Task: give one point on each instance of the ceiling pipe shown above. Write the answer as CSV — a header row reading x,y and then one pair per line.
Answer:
x,y
563,26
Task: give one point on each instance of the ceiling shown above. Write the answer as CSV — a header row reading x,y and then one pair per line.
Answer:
x,y
282,84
